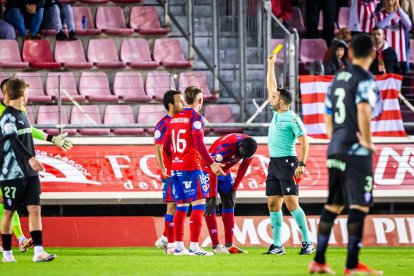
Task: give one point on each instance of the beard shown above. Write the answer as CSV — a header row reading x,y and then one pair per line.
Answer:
x,y
275,107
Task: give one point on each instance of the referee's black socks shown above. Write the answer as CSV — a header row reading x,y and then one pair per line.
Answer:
x,y
37,237
355,231
325,226
7,241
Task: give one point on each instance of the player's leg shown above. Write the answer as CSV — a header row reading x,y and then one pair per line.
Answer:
x,y
32,201
169,222
24,243
359,189
211,219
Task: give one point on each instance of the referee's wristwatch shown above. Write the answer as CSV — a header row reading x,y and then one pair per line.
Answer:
x,y
302,164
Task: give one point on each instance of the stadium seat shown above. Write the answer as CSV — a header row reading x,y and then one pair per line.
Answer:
x,y
128,1
71,55
150,114
94,1
112,21
49,115
167,51
411,51
215,113
78,13
95,87
157,83
10,55
312,49
78,117
145,21
198,79
343,17
39,55
407,117
36,93
103,54
67,1
67,83
281,54
30,114
129,87
297,20
135,52
121,115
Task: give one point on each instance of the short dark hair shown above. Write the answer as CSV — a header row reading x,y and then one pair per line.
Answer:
x,y
169,98
191,93
285,95
247,147
3,83
362,45
15,88
376,28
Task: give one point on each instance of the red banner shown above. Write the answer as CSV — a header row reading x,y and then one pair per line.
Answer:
x,y
124,168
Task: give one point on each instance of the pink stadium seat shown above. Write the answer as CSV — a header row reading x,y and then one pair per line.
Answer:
x,y
49,115
94,1
312,49
145,20
128,1
198,79
78,117
297,20
103,54
112,21
129,87
135,52
167,51
95,87
39,55
157,83
30,114
71,55
121,115
411,51
67,83
150,114
36,93
343,17
67,1
215,113
281,54
10,55
78,13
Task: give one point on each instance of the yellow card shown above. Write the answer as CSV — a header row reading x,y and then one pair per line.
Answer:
x,y
277,49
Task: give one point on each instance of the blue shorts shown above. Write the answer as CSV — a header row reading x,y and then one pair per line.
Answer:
x,y
189,186
167,190
225,183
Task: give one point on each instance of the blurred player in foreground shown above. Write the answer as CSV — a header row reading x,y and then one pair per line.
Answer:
x,y
173,102
186,133
228,150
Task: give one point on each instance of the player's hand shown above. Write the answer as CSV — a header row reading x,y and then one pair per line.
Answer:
x,y
63,142
217,168
31,8
368,145
165,174
211,205
299,171
271,59
36,165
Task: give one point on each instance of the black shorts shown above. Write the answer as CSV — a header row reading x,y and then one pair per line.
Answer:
x,y
20,191
350,180
280,174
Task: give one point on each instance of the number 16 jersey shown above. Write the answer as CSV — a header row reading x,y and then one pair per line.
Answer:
x,y
182,127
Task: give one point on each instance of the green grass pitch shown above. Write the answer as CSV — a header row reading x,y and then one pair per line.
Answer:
x,y
151,261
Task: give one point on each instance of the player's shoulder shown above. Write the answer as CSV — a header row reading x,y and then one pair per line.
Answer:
x,y
163,121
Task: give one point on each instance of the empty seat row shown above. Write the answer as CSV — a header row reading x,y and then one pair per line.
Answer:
x,y
111,21
94,86
120,115
309,49
101,53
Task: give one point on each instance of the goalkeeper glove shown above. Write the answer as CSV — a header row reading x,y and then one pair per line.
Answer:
x,y
61,141
211,205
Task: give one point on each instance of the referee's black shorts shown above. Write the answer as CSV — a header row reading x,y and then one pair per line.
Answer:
x,y
280,174
21,191
350,180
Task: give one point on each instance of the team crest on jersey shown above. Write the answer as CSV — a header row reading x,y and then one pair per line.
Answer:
x,y
157,134
187,184
219,158
205,188
197,125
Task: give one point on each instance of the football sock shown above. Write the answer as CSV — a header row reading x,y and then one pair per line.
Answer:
x,y
17,229
179,219
355,231
211,222
325,227
196,222
227,215
194,246
300,218
276,219
169,227
7,241
179,246
38,250
37,237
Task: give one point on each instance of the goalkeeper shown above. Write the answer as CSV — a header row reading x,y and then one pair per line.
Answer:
x,y
60,140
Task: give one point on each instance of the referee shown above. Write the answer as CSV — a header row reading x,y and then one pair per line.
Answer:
x,y
284,166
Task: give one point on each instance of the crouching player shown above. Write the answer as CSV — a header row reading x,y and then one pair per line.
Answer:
x,y
227,150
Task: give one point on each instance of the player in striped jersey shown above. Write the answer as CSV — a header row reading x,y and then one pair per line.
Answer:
x,y
361,15
173,102
228,150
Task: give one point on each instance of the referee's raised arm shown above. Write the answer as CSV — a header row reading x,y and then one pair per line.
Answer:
x,y
271,78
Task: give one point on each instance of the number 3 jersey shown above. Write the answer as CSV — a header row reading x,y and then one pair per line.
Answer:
x,y
182,128
349,88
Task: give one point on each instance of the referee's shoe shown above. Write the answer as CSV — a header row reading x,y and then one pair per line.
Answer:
x,y
276,250
307,248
